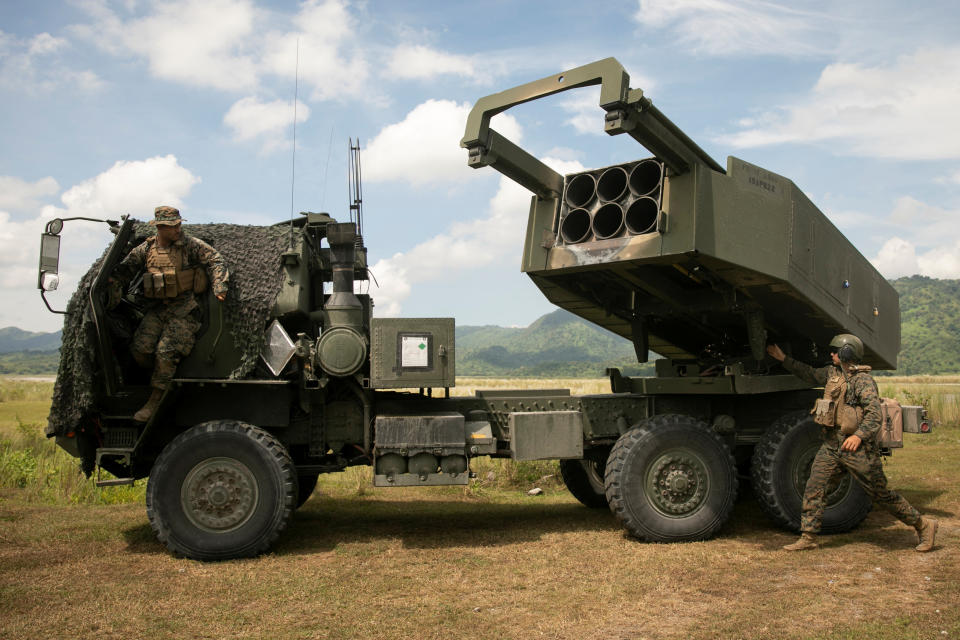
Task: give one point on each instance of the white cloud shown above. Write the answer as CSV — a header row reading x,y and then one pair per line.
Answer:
x,y
328,60
897,257
17,194
906,110
463,246
126,187
951,178
424,148
420,62
744,27
233,44
249,118
924,240
201,43
35,64
44,43
134,187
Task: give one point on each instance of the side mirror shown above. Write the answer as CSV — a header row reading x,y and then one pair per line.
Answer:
x,y
49,261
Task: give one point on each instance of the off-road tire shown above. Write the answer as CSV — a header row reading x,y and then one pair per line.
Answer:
x,y
693,470
780,467
585,478
220,490
305,486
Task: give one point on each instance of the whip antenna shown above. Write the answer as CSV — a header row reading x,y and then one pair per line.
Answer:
x,y
293,161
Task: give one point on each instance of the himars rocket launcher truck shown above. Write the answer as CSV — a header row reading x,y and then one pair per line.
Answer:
x,y
295,376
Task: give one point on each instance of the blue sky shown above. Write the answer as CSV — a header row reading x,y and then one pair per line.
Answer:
x,y
112,107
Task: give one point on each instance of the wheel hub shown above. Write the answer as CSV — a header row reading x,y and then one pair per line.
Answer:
x,y
219,494
677,483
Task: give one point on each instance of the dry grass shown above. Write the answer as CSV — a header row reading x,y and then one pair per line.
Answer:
x,y
493,563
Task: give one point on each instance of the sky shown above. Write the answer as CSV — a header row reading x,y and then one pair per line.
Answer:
x,y
112,107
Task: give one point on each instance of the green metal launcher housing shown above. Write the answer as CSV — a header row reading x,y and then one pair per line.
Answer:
x,y
700,264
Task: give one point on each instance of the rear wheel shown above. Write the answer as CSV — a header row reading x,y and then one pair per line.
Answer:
x,y
780,468
221,490
584,478
671,479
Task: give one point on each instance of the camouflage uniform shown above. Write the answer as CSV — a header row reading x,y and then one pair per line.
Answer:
x,y
170,325
863,464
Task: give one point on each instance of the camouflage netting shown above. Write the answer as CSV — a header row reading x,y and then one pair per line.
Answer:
x,y
253,257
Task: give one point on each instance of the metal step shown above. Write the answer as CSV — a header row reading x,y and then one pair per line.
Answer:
x,y
116,482
111,452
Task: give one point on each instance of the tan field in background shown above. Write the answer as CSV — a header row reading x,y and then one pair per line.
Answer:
x,y
485,561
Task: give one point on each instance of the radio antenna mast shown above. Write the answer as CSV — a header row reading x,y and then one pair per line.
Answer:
x,y
293,161
354,187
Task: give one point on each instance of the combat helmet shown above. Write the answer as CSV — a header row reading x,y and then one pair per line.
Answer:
x,y
849,347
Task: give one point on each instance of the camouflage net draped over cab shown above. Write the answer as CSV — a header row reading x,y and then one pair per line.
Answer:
x,y
253,257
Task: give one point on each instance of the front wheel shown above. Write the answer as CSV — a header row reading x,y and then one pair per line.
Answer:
x,y
220,490
671,479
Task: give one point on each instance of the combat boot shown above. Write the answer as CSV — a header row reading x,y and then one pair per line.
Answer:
x,y
147,411
926,531
806,541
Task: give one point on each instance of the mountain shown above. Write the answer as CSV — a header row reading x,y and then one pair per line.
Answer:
x,y
13,340
558,344
929,326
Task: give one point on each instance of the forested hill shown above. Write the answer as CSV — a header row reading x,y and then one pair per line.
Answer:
x,y
558,344
929,326
13,339
561,344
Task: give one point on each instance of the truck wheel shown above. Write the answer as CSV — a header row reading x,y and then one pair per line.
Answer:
x,y
305,486
780,468
220,490
584,478
671,479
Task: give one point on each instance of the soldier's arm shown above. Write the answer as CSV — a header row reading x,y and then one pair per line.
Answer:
x,y
805,372
131,265
867,396
209,257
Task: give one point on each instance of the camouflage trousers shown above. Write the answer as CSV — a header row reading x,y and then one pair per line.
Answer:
x,y
169,334
866,469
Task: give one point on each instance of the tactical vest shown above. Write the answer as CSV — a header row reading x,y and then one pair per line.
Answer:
x,y
832,409
167,277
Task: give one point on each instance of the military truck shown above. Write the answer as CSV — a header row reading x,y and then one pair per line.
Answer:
x,y
295,375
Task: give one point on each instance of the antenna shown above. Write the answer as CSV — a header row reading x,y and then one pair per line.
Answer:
x,y
354,187
293,161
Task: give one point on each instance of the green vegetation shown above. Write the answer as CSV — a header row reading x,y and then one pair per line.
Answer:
x,y
32,465
30,363
558,344
930,326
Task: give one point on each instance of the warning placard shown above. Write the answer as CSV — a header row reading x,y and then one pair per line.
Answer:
x,y
414,351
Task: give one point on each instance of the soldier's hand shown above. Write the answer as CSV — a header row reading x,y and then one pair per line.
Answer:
x,y
852,443
776,352
222,297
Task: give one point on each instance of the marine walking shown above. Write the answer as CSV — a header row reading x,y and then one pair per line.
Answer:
x,y
850,418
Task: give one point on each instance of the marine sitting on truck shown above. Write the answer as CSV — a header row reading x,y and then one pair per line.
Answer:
x,y
175,269
849,414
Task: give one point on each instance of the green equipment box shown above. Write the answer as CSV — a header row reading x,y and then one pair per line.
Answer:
x,y
412,353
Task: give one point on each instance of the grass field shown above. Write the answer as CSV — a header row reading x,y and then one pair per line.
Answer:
x,y
487,561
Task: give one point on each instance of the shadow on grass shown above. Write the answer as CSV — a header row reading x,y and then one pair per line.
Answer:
x,y
322,525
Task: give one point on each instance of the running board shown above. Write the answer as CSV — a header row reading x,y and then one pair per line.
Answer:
x,y
113,452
